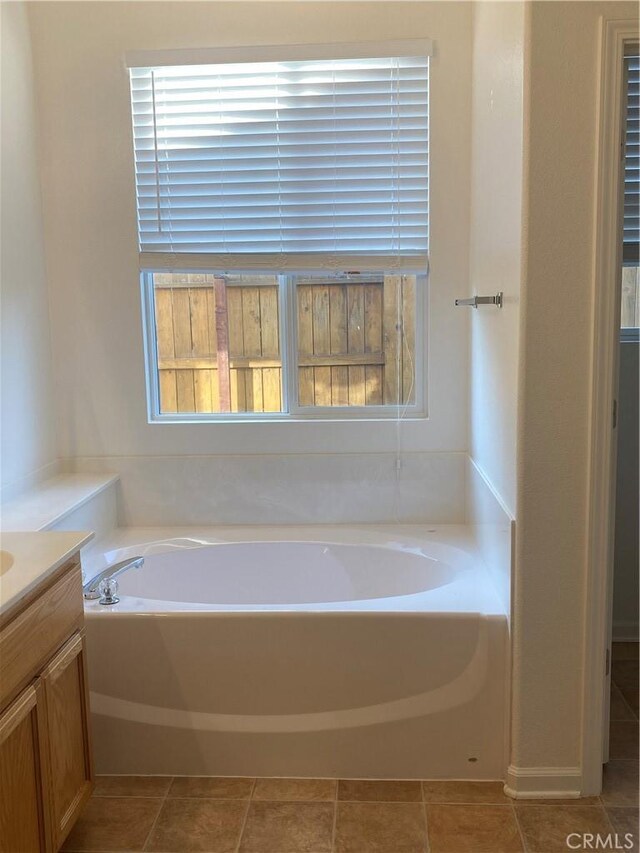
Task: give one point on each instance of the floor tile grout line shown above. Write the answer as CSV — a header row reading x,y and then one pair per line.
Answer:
x,y
519,828
550,801
246,813
153,825
244,822
609,821
334,828
426,825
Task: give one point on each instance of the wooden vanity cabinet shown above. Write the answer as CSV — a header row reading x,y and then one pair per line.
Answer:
x,y
24,810
46,772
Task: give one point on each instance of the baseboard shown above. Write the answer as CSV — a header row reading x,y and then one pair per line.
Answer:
x,y
527,783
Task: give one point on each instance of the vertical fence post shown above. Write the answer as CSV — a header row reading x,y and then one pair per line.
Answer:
x,y
222,333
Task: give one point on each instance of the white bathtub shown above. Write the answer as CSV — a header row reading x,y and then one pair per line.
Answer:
x,y
339,652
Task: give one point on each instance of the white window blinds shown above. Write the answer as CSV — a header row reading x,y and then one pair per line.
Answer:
x,y
320,158
632,157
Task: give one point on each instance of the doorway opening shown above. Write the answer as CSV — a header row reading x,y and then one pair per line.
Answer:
x,y
621,735
616,298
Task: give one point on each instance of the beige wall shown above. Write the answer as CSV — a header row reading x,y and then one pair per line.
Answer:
x,y
561,61
495,239
26,404
89,204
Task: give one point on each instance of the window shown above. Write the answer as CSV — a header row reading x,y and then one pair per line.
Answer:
x,y
283,231
630,316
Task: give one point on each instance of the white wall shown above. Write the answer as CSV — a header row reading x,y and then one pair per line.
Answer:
x,y
561,80
91,227
495,239
494,265
28,448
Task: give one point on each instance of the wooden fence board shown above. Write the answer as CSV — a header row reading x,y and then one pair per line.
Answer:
x,y
356,343
252,346
391,297
409,338
270,328
222,344
306,393
202,390
269,316
199,322
185,391
321,344
339,344
211,318
182,324
166,349
271,389
168,391
355,337
373,342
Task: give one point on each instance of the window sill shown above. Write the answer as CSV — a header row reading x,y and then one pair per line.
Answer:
x,y
278,418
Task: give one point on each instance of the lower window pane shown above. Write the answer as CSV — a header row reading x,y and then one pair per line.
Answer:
x,y
218,343
356,339
630,314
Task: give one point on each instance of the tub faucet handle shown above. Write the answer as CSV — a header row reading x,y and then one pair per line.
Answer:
x,y
108,588
92,588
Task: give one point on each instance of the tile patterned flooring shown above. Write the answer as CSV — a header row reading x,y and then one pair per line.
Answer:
x,y
218,815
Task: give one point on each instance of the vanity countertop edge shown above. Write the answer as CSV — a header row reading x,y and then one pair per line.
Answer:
x,y
30,558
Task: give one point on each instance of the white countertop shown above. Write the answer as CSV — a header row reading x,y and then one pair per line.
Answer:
x,y
26,559
50,501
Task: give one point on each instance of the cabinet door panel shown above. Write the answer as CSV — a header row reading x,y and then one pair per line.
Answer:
x,y
29,640
23,806
67,710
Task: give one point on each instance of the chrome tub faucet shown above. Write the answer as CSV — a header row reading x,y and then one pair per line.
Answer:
x,y
104,585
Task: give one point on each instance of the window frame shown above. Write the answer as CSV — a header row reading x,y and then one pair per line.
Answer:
x,y
287,265
288,331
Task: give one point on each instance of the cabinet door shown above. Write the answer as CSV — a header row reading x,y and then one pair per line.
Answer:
x,y
24,810
67,710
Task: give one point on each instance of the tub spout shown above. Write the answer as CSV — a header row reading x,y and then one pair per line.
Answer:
x,y
91,589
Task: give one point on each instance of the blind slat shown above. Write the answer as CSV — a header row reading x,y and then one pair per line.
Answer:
x,y
275,158
631,236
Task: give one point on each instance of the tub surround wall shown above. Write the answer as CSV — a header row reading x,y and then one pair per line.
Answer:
x,y
494,265
28,447
493,530
100,514
319,488
496,240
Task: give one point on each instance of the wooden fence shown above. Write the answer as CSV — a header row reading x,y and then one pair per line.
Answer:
x,y
219,347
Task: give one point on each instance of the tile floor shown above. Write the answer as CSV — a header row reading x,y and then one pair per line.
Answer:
x,y
218,815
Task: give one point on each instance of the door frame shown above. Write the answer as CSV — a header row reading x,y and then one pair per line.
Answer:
x,y
604,388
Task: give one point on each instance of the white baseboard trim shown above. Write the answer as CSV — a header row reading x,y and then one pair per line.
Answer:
x,y
527,783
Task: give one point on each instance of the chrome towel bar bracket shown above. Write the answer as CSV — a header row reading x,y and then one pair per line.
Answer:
x,y
474,301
